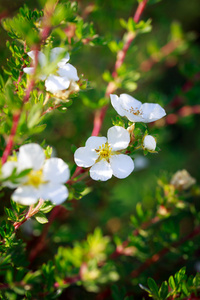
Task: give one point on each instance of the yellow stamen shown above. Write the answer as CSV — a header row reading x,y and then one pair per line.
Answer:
x,y
105,151
35,178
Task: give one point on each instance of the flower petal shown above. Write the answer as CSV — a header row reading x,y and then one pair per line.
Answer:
x,y
41,57
132,108
31,156
6,171
26,195
116,103
8,168
152,112
85,157
29,70
101,171
55,83
122,165
55,52
127,102
94,142
56,170
118,138
57,193
68,71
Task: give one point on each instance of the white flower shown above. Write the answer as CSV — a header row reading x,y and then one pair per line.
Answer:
x,y
149,143
182,180
45,180
65,73
103,156
135,111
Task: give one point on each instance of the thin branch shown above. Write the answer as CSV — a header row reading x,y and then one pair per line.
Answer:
x,y
160,254
31,212
10,142
111,88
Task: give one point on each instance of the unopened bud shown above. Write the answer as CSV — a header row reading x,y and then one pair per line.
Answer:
x,y
149,143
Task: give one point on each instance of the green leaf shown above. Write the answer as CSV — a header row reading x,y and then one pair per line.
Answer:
x,y
163,291
153,286
47,207
172,283
34,115
41,218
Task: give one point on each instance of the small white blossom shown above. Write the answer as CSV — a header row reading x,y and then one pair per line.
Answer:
x,y
45,180
103,156
182,180
135,111
149,143
65,73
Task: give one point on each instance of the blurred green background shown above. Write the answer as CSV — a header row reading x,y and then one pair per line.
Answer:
x,y
172,81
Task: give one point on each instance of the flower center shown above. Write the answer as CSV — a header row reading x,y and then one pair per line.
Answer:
x,y
35,178
135,111
105,151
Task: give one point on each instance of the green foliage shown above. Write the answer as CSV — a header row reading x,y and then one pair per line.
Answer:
x,y
178,286
128,232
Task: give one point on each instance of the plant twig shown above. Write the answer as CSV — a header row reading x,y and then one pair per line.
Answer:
x,y
160,254
128,38
31,212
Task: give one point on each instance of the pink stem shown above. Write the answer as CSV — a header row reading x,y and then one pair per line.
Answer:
x,y
100,114
10,142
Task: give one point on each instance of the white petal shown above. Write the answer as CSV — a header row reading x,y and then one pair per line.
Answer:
x,y
85,157
94,142
116,103
29,70
149,143
118,138
69,72
152,112
127,101
122,165
8,168
132,107
101,171
26,195
56,170
57,193
41,57
55,52
31,156
55,84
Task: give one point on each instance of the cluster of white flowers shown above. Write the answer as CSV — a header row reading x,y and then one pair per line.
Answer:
x,y
66,74
103,155
45,179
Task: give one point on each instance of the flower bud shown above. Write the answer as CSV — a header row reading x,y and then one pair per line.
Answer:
x,y
149,143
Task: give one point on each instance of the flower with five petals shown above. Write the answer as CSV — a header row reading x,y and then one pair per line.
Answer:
x,y
45,180
65,73
135,111
104,157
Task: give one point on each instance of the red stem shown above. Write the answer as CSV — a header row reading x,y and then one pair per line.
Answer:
x,y
100,114
157,256
139,11
10,142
